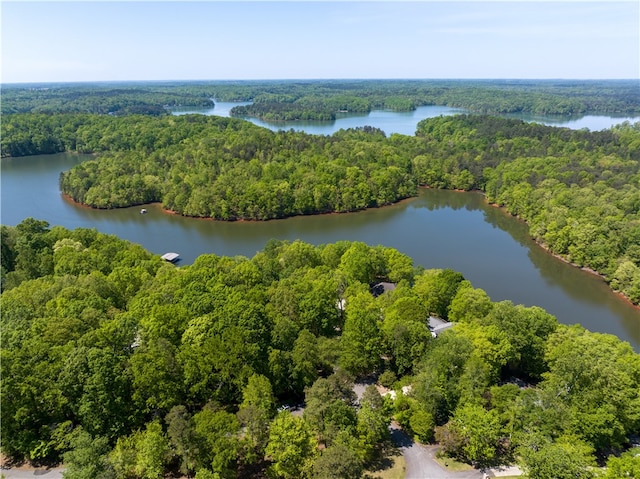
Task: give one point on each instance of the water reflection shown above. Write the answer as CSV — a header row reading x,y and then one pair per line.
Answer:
x,y
405,122
438,229
390,122
594,301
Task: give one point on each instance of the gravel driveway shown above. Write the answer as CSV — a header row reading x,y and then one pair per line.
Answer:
x,y
26,473
420,460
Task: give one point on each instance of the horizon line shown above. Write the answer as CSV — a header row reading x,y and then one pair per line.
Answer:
x,y
479,79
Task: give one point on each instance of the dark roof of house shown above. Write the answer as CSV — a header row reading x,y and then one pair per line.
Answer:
x,y
380,288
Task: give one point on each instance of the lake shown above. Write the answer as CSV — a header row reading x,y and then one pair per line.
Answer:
x,y
438,229
405,122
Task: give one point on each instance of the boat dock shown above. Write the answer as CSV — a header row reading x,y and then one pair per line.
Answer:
x,y
171,257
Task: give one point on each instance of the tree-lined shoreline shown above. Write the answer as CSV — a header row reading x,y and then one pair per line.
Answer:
x,y
577,190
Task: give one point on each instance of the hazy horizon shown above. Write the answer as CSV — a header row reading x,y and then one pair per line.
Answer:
x,y
309,80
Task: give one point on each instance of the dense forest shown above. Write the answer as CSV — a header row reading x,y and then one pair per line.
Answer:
x,y
126,366
322,100
578,190
108,98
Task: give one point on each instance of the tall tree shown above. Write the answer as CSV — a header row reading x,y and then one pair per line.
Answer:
x,y
292,447
152,452
438,288
543,459
596,377
255,413
182,437
88,458
217,431
361,338
338,462
473,435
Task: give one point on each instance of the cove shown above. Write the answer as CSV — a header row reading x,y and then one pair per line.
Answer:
x,y
438,229
405,122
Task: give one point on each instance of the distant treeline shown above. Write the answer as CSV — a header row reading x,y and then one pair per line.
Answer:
x,y
321,100
113,99
578,190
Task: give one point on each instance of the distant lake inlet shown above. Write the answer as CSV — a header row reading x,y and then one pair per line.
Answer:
x,y
404,122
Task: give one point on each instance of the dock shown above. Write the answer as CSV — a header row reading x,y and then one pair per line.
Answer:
x,y
171,257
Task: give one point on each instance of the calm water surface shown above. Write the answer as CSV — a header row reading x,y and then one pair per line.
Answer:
x,y
405,122
388,121
592,122
438,229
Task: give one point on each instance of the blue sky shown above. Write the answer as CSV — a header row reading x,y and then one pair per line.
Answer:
x,y
211,40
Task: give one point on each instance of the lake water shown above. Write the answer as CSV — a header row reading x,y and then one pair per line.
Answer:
x,y
438,229
592,122
405,122
388,121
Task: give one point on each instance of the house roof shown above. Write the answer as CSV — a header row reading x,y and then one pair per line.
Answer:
x,y
380,288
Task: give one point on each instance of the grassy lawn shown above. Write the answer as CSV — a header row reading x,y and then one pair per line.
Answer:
x,y
451,464
390,466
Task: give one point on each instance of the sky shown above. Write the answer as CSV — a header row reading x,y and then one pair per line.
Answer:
x,y
215,40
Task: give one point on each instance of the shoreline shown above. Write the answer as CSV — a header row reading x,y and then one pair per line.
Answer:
x,y
590,271
246,220
69,199
565,260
